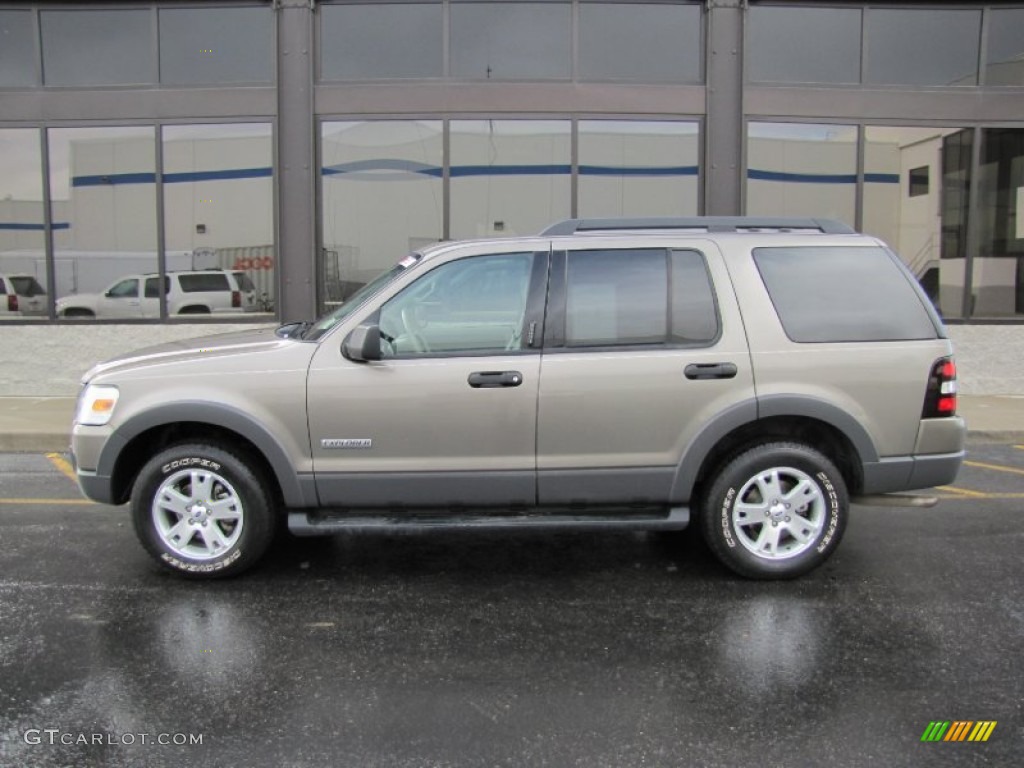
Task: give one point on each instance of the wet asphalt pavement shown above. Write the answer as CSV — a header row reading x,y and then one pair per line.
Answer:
x,y
526,650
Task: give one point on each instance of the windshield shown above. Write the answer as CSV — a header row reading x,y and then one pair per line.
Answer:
x,y
327,322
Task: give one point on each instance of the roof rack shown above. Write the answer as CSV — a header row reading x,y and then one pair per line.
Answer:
x,y
705,223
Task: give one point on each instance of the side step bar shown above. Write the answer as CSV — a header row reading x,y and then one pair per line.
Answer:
x,y
305,524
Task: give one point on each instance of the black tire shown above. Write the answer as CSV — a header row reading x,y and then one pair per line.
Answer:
x,y
183,530
78,313
194,310
775,511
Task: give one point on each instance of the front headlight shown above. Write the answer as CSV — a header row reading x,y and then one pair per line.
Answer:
x,y
96,405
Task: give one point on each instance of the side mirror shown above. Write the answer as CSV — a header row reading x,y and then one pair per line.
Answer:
x,y
363,344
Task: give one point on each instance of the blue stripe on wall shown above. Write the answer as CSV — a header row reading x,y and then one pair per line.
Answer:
x,y
463,171
822,178
170,178
21,227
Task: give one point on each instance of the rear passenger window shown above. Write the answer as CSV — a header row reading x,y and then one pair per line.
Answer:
x,y
212,281
641,296
830,294
153,287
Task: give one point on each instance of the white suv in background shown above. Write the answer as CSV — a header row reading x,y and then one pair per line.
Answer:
x,y
21,295
188,293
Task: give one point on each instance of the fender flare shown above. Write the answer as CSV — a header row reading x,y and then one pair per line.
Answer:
x,y
750,411
226,417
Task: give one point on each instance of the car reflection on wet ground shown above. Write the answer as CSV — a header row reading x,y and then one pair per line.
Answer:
x,y
479,649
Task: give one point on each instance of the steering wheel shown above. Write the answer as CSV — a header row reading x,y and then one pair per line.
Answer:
x,y
413,329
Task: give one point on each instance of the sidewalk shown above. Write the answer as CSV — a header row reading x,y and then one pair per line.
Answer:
x,y
42,424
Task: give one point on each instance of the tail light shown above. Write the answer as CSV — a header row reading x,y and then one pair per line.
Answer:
x,y
236,299
940,398
12,302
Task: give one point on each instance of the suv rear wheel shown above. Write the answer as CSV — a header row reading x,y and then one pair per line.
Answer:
x,y
202,511
775,511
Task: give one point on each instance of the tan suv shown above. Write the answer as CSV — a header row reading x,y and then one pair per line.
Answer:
x,y
604,375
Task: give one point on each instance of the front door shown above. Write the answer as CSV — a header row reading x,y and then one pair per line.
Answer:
x,y
121,300
448,417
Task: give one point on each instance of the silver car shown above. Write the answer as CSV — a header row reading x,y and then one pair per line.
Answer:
x,y
750,376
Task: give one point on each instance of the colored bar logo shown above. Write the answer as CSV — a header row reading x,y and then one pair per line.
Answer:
x,y
958,730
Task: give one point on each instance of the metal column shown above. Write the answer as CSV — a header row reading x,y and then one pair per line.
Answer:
x,y
296,188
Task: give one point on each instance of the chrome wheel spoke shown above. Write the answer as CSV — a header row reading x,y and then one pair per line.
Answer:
x,y
202,486
174,501
749,514
801,493
181,532
225,510
768,539
803,530
213,538
769,485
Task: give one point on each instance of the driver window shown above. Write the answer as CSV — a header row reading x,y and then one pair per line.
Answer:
x,y
126,289
474,306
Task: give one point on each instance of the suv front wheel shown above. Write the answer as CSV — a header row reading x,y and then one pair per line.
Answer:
x,y
202,511
775,511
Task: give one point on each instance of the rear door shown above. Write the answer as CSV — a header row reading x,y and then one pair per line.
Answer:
x,y
644,347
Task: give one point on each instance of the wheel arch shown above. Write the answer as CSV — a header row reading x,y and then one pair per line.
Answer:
x,y
816,423
142,436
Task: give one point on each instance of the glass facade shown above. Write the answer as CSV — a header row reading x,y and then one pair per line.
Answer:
x,y
97,47
1004,61
510,41
637,168
381,197
22,230
802,169
218,190
215,45
643,42
804,45
509,177
17,51
438,119
997,284
370,41
103,178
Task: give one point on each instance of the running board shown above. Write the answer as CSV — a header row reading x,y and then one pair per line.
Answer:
x,y
304,524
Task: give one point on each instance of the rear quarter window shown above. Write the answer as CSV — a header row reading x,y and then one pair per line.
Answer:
x,y
831,294
212,281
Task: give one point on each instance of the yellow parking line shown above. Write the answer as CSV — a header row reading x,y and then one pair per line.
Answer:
x,y
995,467
962,491
63,465
48,502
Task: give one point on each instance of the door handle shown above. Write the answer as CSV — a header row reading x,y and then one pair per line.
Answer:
x,y
488,379
710,371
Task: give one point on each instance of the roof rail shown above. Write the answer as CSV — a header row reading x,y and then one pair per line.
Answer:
x,y
705,223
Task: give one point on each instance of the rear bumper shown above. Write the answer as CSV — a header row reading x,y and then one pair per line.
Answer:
x,y
908,473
